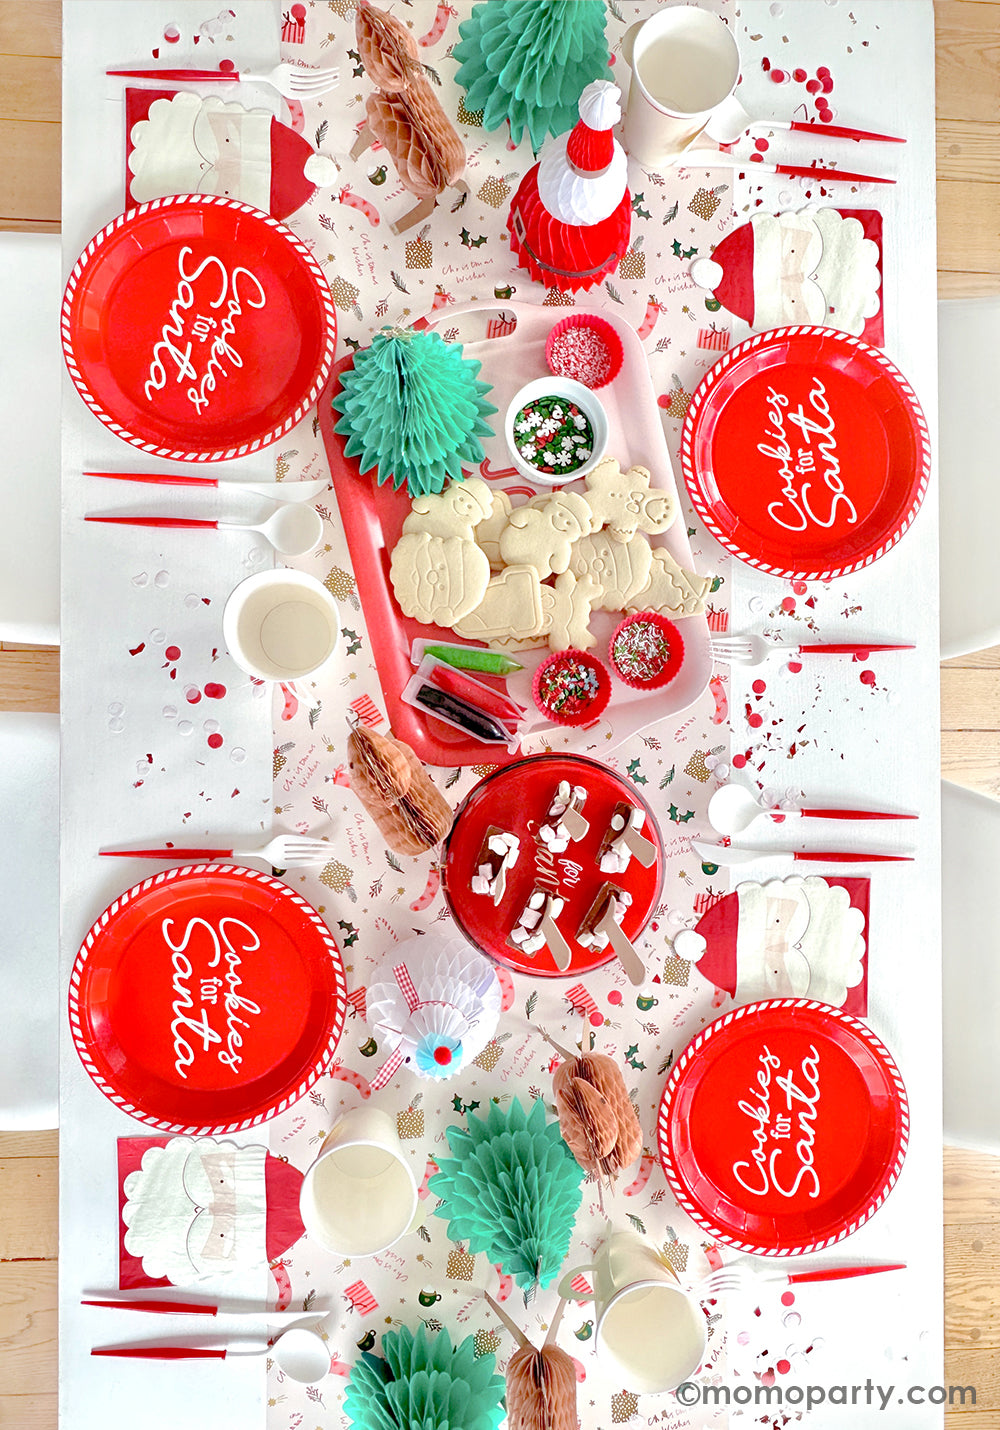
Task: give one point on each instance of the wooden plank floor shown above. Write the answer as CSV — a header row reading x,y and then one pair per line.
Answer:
x,y
968,155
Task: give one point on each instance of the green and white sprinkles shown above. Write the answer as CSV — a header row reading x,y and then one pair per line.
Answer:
x,y
553,434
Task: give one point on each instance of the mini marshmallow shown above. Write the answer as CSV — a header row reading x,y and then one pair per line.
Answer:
x,y
479,885
530,919
617,823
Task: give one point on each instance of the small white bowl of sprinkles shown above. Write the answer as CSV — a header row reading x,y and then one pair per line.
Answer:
x,y
556,431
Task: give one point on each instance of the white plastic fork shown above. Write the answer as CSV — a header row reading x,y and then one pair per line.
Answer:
x,y
284,851
754,650
730,1281
737,1279
289,80
744,650
292,81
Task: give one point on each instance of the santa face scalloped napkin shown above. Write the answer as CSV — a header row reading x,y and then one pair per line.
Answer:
x,y
203,1215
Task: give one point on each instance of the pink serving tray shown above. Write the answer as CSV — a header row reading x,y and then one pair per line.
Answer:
x,y
509,340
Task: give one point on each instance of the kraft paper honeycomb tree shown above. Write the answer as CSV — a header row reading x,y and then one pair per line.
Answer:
x,y
528,62
424,1381
413,409
511,1189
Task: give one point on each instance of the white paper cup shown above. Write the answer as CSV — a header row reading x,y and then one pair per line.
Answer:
x,y
281,625
653,1330
685,67
360,1196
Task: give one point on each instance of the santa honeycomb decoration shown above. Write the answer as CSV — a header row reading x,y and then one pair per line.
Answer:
x,y
527,61
433,1007
511,1189
813,267
571,217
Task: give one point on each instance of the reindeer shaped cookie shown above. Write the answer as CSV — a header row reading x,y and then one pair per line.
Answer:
x,y
405,115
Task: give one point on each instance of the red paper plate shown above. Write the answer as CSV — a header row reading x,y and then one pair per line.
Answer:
x,y
806,453
207,999
783,1127
516,799
198,328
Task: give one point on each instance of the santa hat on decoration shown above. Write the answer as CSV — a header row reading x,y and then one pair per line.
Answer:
x,y
582,176
728,274
571,217
750,943
762,271
297,171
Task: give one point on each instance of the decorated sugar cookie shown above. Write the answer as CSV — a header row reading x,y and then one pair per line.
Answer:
x,y
570,601
487,533
510,606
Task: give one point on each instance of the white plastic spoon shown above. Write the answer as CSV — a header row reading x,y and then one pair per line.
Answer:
x,y
732,809
291,530
299,1352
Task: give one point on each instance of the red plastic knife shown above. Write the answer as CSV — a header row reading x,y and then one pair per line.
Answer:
x,y
833,131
